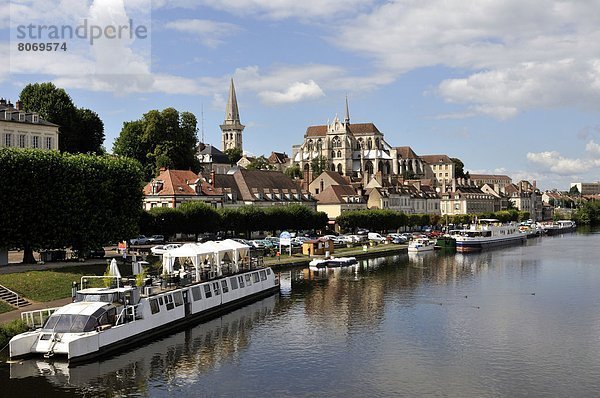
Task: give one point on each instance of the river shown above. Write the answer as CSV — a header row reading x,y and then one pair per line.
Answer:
x,y
512,322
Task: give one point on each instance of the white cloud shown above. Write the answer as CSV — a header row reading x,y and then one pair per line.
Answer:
x,y
209,33
297,92
276,9
593,148
554,162
517,55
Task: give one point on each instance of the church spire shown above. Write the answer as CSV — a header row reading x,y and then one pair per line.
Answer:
x,y
232,128
231,112
347,118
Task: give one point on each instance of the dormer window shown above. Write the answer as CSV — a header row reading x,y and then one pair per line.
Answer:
x,y
35,118
21,116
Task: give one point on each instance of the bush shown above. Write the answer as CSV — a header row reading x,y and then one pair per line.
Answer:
x,y
8,330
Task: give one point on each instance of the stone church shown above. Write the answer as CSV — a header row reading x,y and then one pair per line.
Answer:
x,y
354,150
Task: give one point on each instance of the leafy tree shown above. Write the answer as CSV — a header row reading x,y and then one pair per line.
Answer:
x,y
459,168
574,190
162,220
198,217
160,139
409,175
318,165
64,200
234,154
293,172
81,130
260,163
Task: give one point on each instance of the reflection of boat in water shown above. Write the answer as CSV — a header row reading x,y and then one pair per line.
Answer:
x,y
419,245
184,354
332,262
486,234
104,320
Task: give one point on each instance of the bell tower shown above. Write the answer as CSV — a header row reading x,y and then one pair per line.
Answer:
x,y
232,128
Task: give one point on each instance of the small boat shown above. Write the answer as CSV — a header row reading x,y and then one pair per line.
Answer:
x,y
445,242
103,320
418,245
332,262
559,227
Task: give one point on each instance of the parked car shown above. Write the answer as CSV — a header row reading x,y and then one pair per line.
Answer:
x,y
399,240
362,231
93,253
140,240
162,249
376,237
156,239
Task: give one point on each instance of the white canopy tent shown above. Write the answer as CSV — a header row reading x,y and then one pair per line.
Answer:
x,y
208,253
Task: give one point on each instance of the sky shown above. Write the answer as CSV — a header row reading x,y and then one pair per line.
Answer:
x,y
508,86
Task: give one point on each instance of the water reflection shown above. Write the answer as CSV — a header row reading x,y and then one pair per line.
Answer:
x,y
173,359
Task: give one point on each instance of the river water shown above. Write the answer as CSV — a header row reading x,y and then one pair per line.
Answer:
x,y
513,322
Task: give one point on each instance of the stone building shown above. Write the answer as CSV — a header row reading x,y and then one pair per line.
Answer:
x,y
20,129
232,128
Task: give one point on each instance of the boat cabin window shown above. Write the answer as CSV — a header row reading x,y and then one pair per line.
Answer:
x,y
154,307
75,323
169,301
234,284
178,298
263,275
241,280
207,291
268,271
248,279
224,286
216,288
196,293
160,301
255,277
97,297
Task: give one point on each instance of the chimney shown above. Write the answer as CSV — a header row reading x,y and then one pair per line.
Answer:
x,y
19,105
2,101
212,178
534,185
453,185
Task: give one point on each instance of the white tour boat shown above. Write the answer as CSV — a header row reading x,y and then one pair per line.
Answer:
x,y
418,245
559,227
488,233
104,320
332,262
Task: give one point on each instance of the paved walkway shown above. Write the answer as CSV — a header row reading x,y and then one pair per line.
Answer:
x,y
16,314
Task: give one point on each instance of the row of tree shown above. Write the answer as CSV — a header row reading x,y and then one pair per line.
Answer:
x,y
55,200
587,213
385,220
197,218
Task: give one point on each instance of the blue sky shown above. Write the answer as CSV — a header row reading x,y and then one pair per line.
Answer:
x,y
509,87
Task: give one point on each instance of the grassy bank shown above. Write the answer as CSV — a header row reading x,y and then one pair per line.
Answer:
x,y
48,285
8,330
4,307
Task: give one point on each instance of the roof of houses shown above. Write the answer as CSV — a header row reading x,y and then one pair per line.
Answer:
x,y
10,114
334,194
246,184
356,129
179,183
406,152
216,155
489,177
278,158
336,177
432,159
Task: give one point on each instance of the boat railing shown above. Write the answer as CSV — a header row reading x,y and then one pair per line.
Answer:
x,y
37,318
84,279
128,312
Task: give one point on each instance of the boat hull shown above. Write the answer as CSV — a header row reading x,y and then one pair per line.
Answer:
x,y
468,245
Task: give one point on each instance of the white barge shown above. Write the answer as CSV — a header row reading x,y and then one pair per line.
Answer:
x,y
486,234
101,321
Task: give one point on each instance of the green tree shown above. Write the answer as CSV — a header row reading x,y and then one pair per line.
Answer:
x,y
459,168
160,139
233,154
574,190
293,172
260,163
198,217
64,200
81,130
318,165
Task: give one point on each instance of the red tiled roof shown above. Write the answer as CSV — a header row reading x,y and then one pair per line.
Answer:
x,y
175,182
431,159
334,194
406,152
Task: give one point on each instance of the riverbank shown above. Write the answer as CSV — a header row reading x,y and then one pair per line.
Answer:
x,y
284,261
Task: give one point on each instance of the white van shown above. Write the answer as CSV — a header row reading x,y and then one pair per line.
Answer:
x,y
376,237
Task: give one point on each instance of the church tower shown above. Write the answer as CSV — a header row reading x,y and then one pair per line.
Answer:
x,y
232,128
